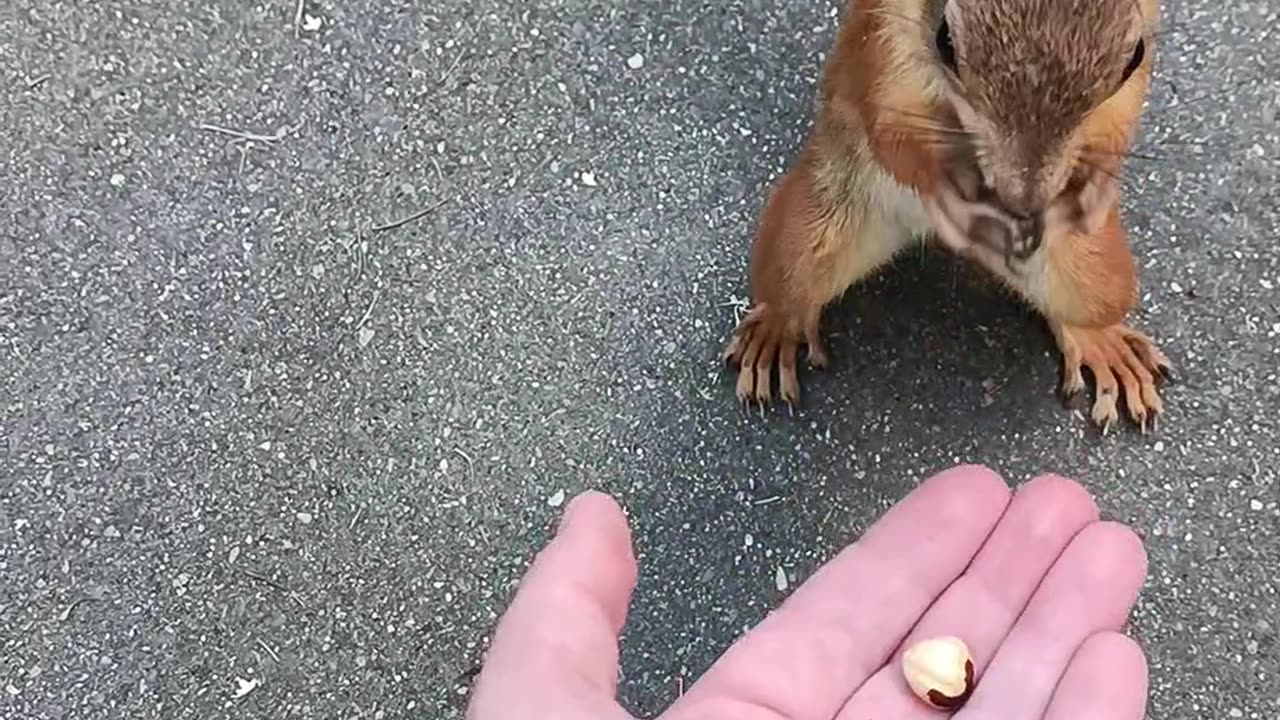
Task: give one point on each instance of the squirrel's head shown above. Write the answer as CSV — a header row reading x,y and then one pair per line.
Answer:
x,y
1047,93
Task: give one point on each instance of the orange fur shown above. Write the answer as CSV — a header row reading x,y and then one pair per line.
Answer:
x,y
879,146
1090,280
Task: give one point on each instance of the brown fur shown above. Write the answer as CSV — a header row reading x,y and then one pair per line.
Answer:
x,y
1025,88
1039,106
1036,80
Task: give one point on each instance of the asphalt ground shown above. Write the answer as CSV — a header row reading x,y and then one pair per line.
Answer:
x,y
258,445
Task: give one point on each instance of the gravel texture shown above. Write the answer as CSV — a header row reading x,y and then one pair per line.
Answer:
x,y
254,444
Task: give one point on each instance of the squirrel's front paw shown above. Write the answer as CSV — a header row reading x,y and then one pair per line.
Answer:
x,y
765,338
1119,358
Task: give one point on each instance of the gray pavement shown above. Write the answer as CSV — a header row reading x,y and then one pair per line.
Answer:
x,y
254,444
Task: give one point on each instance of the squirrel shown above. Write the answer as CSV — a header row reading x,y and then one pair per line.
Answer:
x,y
998,127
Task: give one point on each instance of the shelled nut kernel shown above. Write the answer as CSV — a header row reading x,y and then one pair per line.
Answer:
x,y
939,671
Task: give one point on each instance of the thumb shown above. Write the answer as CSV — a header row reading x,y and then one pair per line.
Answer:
x,y
560,632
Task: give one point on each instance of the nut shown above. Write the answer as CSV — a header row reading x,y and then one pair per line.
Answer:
x,y
939,671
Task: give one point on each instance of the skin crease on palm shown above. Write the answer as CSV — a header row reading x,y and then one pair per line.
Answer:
x,y
1036,585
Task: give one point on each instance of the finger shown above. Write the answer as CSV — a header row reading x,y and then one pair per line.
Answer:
x,y
1107,680
563,624
1089,590
837,629
983,604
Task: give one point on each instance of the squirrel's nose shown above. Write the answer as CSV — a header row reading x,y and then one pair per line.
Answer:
x,y
1023,193
1024,202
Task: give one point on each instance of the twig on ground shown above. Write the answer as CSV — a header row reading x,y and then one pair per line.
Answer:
x,y
255,137
66,614
405,221
471,465
268,650
297,19
462,50
452,66
265,580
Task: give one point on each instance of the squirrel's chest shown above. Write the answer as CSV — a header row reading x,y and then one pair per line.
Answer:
x,y
900,206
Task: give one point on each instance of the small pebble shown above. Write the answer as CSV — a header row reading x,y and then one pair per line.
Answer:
x,y
556,499
780,579
1255,504
635,62
588,179
244,687
305,518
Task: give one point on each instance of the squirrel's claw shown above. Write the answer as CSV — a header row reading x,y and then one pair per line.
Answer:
x,y
758,345
1124,363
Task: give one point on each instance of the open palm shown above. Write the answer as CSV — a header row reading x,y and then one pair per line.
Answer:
x,y
1033,582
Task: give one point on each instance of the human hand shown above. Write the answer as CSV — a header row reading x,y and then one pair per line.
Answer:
x,y
1033,582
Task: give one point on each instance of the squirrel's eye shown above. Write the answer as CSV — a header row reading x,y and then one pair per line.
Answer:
x,y
946,50
1139,53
